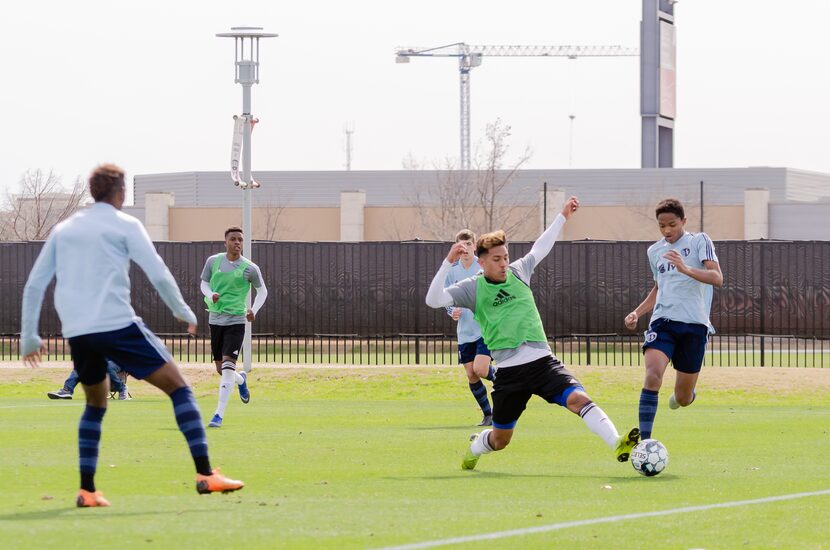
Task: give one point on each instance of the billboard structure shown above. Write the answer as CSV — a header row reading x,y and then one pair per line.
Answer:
x,y
658,96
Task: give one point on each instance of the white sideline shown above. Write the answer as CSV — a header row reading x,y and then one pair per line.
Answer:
x,y
595,521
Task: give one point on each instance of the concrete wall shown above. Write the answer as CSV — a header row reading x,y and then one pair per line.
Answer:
x,y
395,224
795,222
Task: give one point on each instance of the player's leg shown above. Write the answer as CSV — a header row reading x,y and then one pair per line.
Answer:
x,y
687,361
229,343
658,349
144,356
483,363
92,374
466,356
510,397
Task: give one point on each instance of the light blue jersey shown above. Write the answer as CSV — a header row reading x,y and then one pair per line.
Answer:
x,y
467,329
679,297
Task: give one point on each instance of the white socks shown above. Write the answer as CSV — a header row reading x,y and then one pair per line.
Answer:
x,y
230,379
600,424
481,445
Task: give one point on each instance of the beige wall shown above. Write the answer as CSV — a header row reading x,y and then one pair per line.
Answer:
x,y
398,223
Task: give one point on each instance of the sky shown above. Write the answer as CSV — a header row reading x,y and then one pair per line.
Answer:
x,y
147,85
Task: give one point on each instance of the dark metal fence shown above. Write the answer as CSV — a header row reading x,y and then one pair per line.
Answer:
x,y
363,303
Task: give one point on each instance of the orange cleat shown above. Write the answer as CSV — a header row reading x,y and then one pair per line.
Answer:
x,y
87,500
216,482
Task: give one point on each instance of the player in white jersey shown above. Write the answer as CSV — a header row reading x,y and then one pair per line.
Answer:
x,y
89,255
685,270
472,350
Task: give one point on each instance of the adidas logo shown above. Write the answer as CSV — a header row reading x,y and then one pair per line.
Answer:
x,y
502,298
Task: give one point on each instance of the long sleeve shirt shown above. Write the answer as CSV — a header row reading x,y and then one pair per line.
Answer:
x,y
89,255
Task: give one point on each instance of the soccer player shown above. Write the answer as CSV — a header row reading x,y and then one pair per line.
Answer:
x,y
503,305
472,351
226,280
685,268
89,254
117,384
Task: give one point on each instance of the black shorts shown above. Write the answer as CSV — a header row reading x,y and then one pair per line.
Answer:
x,y
226,341
467,352
514,386
135,348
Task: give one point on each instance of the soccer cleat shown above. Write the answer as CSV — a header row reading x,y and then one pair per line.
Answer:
x,y
244,393
216,483
215,422
470,460
626,443
87,499
62,393
486,421
124,395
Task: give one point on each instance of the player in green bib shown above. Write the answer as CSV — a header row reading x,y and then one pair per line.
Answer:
x,y
503,305
226,280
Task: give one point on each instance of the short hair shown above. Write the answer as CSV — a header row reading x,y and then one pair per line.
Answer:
x,y
104,181
465,235
670,206
490,240
233,229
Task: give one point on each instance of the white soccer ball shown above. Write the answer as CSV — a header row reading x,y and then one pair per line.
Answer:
x,y
649,457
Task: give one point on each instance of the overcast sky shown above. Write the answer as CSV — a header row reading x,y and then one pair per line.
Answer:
x,y
148,85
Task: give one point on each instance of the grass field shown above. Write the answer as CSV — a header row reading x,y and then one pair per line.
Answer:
x,y
369,458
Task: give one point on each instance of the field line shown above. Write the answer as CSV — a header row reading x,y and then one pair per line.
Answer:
x,y
608,519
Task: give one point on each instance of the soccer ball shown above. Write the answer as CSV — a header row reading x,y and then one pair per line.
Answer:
x,y
649,457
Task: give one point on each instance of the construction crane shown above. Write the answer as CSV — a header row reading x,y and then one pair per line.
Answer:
x,y
470,57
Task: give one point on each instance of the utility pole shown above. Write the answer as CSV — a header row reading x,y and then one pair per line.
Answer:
x,y
349,129
246,73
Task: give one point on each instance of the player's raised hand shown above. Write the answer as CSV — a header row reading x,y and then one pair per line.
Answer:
x,y
571,206
457,250
631,320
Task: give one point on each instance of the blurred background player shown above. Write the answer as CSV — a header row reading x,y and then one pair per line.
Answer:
x,y
505,309
685,270
118,384
226,280
89,255
472,351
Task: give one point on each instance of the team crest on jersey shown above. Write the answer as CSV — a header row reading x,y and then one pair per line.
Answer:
x,y
686,251
651,336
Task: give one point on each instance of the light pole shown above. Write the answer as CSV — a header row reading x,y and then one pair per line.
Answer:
x,y
246,72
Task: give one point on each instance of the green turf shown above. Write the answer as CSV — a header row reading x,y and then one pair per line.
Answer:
x,y
353,458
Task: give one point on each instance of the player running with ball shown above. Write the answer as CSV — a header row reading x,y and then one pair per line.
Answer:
x,y
503,305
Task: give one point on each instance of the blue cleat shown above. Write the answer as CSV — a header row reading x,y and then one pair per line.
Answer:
x,y
216,422
244,393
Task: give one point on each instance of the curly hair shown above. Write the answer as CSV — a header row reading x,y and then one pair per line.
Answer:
x,y
105,181
670,206
490,240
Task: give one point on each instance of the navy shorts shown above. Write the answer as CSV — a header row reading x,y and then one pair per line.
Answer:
x,y
226,341
467,352
134,348
514,386
683,343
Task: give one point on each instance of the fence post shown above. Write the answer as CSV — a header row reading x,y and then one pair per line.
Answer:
x,y
762,351
417,350
588,350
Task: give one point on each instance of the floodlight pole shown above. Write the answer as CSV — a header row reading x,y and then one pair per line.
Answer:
x,y
246,73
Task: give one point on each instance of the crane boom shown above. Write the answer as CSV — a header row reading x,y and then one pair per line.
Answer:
x,y
470,56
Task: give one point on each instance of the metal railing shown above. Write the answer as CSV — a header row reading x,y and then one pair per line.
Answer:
x,y
748,350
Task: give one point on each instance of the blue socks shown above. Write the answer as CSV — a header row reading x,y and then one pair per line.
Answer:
x,y
89,439
479,391
648,410
491,374
190,423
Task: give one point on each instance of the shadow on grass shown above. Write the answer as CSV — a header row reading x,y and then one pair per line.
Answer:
x,y
66,513
507,475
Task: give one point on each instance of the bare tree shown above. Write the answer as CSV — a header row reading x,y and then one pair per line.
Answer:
x,y
40,203
272,219
472,198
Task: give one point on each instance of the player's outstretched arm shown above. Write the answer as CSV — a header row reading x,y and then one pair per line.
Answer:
x,y
39,278
437,295
544,244
646,306
143,253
